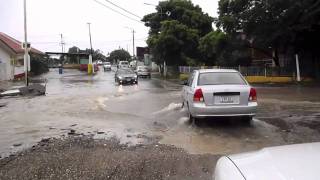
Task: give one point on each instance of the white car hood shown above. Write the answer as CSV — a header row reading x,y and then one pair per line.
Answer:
x,y
291,162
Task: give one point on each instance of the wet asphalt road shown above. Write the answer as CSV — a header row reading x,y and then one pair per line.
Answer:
x,y
151,112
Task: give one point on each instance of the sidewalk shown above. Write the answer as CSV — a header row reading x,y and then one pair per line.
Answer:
x,y
6,85
169,84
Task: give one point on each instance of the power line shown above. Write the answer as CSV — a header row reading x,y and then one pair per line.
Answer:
x,y
123,9
104,42
45,42
116,11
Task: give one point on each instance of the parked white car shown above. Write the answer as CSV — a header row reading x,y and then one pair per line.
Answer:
x,y
219,92
290,162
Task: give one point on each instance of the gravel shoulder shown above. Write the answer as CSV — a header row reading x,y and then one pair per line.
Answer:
x,y
86,158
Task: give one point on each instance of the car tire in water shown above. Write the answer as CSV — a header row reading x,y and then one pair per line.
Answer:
x,y
192,120
247,120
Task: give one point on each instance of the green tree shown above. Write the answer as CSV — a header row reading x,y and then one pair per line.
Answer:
x,y
97,54
272,23
119,55
175,38
183,11
74,50
38,65
175,44
218,48
211,45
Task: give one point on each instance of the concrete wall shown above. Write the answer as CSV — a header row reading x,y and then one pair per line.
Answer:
x,y
6,71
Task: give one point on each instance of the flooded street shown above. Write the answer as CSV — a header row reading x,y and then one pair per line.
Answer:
x,y
151,112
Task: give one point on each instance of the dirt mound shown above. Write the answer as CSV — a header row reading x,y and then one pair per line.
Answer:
x,y
86,158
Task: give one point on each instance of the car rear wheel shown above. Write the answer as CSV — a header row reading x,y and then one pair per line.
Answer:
x,y
192,120
247,119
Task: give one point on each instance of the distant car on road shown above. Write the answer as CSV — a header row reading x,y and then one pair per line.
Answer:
x,y
143,71
99,62
126,75
107,66
123,64
219,92
290,162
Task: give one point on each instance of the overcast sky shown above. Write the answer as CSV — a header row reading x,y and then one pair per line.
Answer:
x,y
47,19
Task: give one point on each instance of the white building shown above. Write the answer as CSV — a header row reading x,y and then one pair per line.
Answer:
x,y
11,57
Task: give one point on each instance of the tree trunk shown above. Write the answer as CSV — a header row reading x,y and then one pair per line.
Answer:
x,y
275,57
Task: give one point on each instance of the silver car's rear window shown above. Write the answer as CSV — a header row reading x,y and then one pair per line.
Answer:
x,y
220,78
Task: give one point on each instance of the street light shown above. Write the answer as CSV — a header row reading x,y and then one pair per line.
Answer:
x,y
161,10
168,13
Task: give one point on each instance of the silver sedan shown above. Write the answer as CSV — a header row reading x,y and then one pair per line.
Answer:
x,y
219,92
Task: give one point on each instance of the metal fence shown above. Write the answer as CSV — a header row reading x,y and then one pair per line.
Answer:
x,y
247,71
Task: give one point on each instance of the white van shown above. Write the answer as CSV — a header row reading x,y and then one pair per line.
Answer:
x,y
123,64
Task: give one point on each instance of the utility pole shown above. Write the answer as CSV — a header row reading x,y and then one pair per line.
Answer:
x,y
133,42
90,38
90,55
26,55
161,13
298,68
62,43
133,47
62,51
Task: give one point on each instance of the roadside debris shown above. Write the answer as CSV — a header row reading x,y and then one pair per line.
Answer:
x,y
14,92
3,104
32,90
17,144
72,132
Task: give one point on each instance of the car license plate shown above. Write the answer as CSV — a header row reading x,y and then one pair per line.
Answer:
x,y
227,99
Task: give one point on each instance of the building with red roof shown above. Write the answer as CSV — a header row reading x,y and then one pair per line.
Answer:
x,y
11,57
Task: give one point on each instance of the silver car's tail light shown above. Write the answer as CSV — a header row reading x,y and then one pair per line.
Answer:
x,y
253,95
198,96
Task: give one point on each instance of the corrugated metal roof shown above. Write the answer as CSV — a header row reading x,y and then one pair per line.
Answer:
x,y
15,45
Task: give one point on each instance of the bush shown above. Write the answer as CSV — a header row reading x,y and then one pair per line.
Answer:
x,y
38,67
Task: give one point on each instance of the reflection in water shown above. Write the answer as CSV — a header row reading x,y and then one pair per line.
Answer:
x,y
136,87
120,88
100,102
